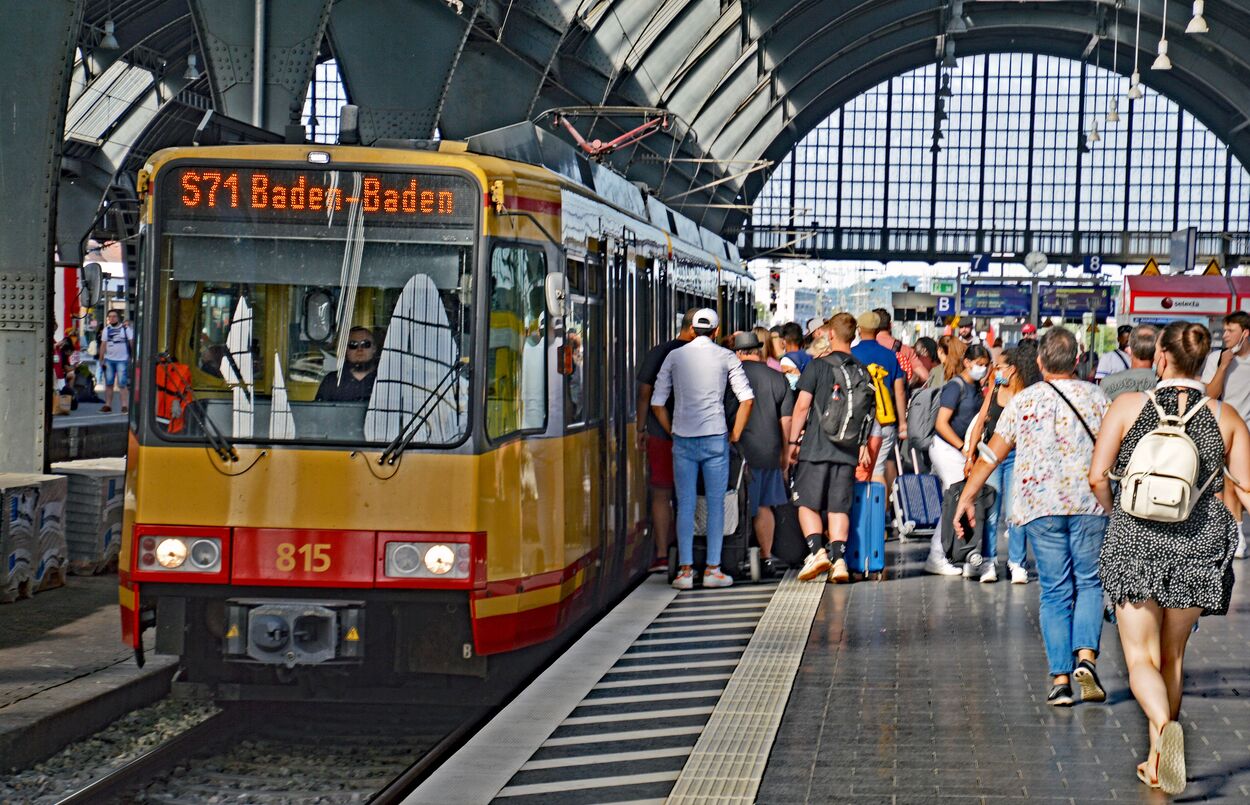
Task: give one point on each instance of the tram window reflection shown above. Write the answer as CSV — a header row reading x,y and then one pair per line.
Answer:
x,y
516,378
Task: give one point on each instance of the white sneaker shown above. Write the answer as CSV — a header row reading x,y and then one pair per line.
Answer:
x,y
684,580
1019,575
815,565
989,574
940,566
1240,553
715,578
969,570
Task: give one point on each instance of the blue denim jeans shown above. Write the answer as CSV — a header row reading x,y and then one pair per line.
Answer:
x,y
999,513
690,455
1066,549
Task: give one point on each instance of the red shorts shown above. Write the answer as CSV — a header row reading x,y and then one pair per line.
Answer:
x,y
660,462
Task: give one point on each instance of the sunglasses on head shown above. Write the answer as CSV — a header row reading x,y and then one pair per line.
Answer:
x,y
359,344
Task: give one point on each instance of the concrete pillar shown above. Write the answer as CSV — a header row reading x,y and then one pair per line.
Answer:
x,y
36,44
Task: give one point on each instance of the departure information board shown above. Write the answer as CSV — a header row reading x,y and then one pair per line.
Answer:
x,y
280,194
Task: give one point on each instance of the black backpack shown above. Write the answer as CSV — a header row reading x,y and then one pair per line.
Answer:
x,y
847,419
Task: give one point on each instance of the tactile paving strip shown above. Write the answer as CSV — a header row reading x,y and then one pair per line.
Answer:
x,y
728,761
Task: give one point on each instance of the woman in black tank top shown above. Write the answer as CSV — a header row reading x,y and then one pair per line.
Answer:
x,y
1014,371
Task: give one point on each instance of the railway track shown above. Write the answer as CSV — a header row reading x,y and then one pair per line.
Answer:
x,y
290,755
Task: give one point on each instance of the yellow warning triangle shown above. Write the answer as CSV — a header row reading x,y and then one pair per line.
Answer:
x,y
1151,269
352,635
234,630
1213,269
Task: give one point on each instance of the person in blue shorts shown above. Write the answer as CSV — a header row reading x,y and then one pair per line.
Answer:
x,y
117,345
762,444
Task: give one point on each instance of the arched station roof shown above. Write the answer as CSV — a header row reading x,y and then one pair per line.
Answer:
x,y
748,77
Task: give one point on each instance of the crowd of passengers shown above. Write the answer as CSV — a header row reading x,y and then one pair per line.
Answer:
x,y
1058,433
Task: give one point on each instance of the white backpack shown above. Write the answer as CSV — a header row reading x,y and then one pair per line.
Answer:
x,y
1161,480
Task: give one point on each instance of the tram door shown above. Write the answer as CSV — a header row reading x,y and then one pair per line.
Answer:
x,y
617,387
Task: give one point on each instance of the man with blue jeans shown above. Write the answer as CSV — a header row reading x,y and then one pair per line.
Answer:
x,y
117,343
1052,425
696,376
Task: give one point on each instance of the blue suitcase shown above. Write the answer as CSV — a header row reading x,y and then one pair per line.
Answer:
x,y
917,500
865,550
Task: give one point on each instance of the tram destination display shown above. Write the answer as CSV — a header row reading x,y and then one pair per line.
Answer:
x,y
237,193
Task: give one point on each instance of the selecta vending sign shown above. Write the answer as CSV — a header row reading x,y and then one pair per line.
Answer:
x,y
1178,297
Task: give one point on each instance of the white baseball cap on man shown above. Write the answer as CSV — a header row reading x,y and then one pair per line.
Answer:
x,y
705,319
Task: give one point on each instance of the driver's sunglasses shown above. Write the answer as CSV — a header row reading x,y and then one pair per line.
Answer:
x,y
359,344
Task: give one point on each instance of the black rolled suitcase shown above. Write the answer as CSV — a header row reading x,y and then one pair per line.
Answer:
x,y
968,547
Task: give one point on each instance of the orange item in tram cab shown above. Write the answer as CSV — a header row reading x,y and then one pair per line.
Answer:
x,y
173,393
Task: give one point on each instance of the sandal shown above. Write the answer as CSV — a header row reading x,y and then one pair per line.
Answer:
x,y
1141,773
1170,765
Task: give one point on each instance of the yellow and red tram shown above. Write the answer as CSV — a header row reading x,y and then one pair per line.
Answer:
x,y
483,495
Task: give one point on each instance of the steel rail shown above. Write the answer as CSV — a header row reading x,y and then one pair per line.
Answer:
x,y
143,768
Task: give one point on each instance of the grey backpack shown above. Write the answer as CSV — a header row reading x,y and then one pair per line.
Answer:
x,y
922,414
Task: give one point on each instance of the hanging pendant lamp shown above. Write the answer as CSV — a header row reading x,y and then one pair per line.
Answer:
x,y
1113,110
1163,62
1197,25
1094,136
1134,82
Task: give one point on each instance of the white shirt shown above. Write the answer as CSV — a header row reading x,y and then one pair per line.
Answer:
x,y
696,376
1111,362
118,338
1236,381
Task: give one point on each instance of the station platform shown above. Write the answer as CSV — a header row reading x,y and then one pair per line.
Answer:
x,y
916,689
64,671
88,433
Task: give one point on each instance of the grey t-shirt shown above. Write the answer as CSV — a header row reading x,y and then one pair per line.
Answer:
x,y
1236,381
1117,383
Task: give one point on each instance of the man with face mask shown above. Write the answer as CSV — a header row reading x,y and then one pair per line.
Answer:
x,y
1227,375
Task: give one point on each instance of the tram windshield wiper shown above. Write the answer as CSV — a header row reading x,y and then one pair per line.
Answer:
x,y
220,443
422,415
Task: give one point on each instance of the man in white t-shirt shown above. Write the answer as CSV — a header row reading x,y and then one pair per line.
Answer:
x,y
1227,375
1118,359
117,342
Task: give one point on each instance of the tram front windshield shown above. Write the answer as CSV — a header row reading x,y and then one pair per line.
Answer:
x,y
312,306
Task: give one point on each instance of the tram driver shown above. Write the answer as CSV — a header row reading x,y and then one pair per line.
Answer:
x,y
356,383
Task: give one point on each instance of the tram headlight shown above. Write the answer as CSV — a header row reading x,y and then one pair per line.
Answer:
x,y
440,560
181,554
406,558
171,553
427,560
205,554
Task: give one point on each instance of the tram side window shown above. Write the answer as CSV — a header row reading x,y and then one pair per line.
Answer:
x,y
516,371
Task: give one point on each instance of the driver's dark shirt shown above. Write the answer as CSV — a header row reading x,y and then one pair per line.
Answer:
x,y
348,389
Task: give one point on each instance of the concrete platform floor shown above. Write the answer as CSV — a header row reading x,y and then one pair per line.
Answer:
x,y
64,671
932,689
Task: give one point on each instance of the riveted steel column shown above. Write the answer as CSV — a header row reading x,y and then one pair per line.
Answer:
x,y
36,43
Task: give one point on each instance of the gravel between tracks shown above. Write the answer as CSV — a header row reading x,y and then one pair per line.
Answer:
x,y
81,762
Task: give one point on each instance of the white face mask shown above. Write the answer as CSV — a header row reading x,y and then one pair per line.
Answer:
x,y
978,371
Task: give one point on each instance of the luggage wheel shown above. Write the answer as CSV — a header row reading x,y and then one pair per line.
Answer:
x,y
753,560
879,576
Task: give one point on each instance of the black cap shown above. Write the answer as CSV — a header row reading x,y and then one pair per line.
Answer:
x,y
746,340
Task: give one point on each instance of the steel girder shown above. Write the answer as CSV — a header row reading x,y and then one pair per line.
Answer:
x,y
292,30
751,77
37,43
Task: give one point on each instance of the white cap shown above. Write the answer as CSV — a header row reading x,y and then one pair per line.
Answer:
x,y
705,319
